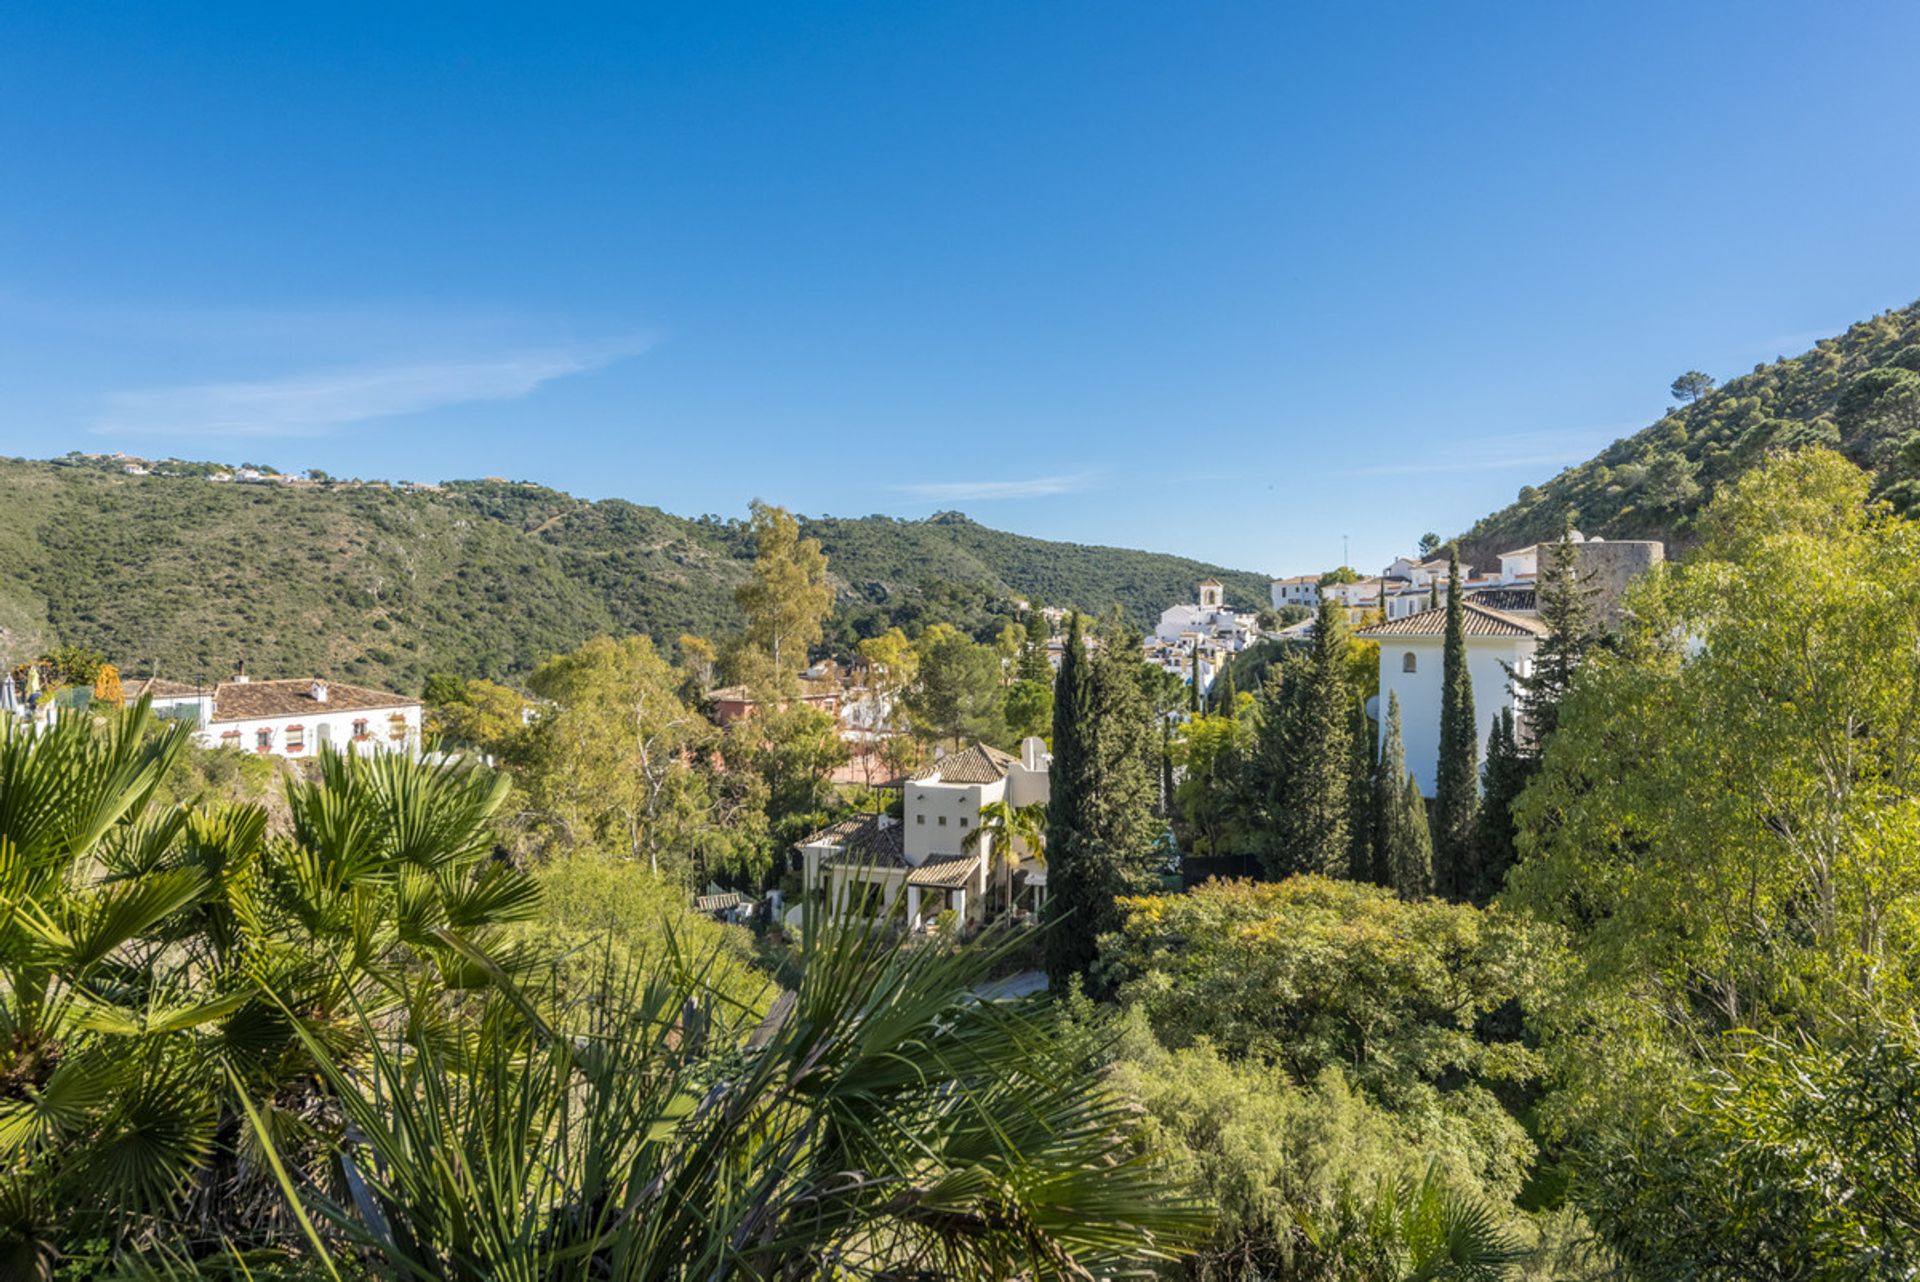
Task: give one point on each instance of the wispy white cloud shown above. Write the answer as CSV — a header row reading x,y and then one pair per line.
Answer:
x,y
1512,451
1038,487
312,404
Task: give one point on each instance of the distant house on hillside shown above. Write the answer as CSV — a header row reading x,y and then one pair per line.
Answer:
x,y
1298,589
730,703
294,718
919,866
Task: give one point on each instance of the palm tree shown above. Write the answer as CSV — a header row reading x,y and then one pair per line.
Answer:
x,y
1012,830
162,966
875,1122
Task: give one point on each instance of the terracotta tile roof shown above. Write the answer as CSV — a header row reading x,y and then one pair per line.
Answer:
x,y
862,840
945,872
1480,621
250,700
1522,599
158,687
978,764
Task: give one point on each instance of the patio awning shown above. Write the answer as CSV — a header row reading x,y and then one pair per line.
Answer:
x,y
945,872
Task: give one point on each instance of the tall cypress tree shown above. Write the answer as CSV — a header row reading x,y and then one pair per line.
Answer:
x,y
1503,778
1389,779
1360,791
1457,778
1100,826
1069,808
1316,790
1412,854
1266,772
1224,700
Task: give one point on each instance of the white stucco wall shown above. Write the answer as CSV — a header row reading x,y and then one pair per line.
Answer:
x,y
929,802
1419,691
338,725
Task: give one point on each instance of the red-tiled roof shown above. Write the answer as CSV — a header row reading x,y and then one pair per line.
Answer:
x,y
1479,621
254,700
978,764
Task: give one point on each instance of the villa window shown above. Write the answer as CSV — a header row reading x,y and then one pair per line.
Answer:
x,y
263,741
943,821
1409,662
397,727
230,739
360,731
921,820
296,739
963,821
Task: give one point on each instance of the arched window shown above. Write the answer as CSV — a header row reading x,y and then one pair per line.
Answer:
x,y
1409,662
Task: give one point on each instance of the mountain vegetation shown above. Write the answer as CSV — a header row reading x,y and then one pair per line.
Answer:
x,y
184,576
1858,393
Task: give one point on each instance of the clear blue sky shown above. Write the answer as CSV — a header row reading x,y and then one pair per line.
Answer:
x,y
1229,280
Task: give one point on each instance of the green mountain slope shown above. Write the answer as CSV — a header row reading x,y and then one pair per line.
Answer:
x,y
186,577
1858,392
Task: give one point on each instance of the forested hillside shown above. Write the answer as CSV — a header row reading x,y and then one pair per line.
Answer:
x,y
1858,392
185,576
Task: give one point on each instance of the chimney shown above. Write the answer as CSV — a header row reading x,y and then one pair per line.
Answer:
x,y
240,675
319,692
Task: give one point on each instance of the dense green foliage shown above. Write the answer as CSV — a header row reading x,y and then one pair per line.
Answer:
x,y
1315,1046
187,577
1725,822
1100,825
364,1044
1858,392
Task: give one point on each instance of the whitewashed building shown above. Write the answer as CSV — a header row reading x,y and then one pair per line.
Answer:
x,y
294,718
1298,589
1208,629
919,866
1412,663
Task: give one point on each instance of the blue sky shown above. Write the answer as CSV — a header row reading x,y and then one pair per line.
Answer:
x,y
1229,280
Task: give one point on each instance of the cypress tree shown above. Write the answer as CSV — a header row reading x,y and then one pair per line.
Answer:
x,y
1068,806
1360,792
1267,769
1100,826
1389,777
1193,682
1319,756
1456,783
1225,684
1504,777
1412,854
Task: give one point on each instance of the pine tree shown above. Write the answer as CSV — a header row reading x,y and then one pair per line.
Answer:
x,y
1503,778
1566,610
1456,783
1389,777
1412,854
1034,665
1100,826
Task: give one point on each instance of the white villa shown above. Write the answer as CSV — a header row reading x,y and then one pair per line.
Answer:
x,y
918,867
287,718
1411,651
1208,629
1503,630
